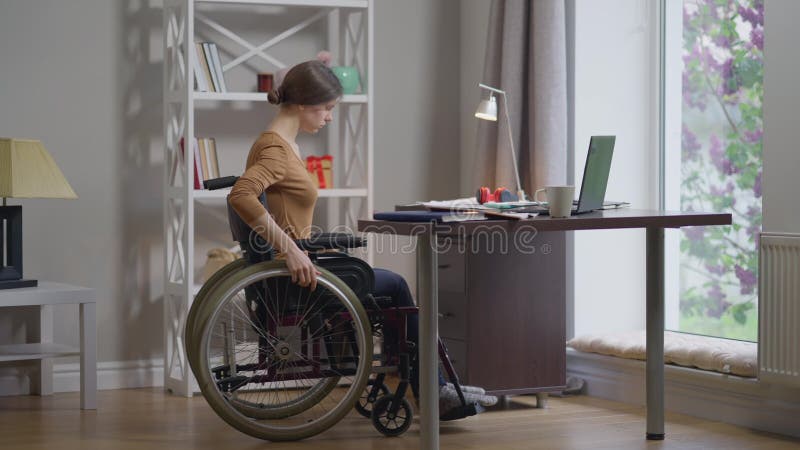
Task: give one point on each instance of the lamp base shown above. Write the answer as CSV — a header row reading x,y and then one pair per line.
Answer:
x,y
14,284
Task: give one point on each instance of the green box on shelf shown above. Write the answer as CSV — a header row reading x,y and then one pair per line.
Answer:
x,y
348,76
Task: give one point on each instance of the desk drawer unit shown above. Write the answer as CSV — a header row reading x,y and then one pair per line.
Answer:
x,y
505,308
452,270
453,315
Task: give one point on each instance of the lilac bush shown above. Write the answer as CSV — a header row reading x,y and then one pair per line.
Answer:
x,y
723,43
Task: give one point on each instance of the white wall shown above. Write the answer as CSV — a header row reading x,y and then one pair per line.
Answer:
x,y
62,83
474,28
416,131
85,77
614,94
780,180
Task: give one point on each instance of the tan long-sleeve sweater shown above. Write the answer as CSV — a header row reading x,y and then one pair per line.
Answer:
x,y
274,167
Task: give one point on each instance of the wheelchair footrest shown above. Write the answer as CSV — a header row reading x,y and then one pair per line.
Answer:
x,y
233,383
461,412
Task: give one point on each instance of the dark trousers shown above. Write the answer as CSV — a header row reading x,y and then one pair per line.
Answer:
x,y
390,284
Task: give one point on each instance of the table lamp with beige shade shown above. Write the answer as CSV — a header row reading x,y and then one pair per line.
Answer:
x,y
26,171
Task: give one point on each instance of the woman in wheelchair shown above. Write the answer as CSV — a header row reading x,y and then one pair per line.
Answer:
x,y
281,341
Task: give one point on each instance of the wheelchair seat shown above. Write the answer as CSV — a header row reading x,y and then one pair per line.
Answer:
x,y
242,232
356,273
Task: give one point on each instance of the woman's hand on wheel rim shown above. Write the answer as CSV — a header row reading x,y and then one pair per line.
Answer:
x,y
303,271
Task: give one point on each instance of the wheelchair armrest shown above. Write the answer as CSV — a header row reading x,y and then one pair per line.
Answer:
x,y
219,183
327,241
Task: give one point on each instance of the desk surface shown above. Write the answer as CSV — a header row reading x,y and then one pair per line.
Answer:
x,y
598,220
46,293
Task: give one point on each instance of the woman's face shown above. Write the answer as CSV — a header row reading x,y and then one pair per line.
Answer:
x,y
314,117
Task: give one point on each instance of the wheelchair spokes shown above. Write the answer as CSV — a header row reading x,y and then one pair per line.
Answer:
x,y
280,361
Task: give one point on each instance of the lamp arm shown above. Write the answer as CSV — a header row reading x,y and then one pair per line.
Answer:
x,y
489,88
520,192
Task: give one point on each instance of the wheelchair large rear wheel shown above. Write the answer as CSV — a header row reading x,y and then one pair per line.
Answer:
x,y
278,361
201,307
208,286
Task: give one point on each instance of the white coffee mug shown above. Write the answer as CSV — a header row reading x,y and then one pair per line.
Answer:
x,y
559,198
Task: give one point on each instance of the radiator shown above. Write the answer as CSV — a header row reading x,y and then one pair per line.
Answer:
x,y
779,309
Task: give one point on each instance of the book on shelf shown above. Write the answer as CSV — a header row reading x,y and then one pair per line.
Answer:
x,y
212,156
221,87
208,73
208,153
205,73
177,161
203,159
201,85
206,163
198,168
210,62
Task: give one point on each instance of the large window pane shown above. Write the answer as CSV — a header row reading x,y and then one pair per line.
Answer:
x,y
719,169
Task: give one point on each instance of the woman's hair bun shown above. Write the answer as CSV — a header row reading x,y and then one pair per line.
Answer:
x,y
274,96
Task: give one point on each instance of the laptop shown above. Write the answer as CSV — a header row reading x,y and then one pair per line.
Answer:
x,y
595,178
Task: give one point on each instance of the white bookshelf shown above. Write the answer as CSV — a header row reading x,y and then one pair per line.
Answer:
x,y
313,3
260,97
323,193
349,36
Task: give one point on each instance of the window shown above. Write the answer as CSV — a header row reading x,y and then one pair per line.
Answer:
x,y
712,162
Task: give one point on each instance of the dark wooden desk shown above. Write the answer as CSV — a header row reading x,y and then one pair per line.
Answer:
x,y
523,232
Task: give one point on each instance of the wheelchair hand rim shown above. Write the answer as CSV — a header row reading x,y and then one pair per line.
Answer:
x,y
362,337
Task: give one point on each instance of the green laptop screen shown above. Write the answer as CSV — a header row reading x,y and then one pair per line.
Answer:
x,y
595,174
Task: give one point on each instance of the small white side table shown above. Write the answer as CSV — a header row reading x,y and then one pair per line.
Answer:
x,y
45,296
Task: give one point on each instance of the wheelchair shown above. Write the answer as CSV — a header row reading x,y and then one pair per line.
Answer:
x,y
280,362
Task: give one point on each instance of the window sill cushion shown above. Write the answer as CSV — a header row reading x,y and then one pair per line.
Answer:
x,y
703,352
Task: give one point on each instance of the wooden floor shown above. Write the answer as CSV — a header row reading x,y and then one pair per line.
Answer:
x,y
150,419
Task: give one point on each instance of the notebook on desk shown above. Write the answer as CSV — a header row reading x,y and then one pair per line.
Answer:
x,y
429,216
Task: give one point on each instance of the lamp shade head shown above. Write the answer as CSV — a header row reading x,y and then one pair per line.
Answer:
x,y
28,171
487,109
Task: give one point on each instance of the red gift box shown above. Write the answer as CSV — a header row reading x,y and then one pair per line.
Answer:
x,y
320,169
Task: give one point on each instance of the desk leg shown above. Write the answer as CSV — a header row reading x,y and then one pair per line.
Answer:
x,y
88,356
655,334
43,383
427,267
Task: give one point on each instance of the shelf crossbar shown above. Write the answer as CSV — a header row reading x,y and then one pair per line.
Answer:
x,y
354,133
202,194
359,4
262,97
253,50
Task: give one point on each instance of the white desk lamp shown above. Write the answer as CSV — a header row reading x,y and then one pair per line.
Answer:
x,y
487,110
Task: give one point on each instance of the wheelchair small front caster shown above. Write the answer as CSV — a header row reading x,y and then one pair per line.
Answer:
x,y
391,423
371,394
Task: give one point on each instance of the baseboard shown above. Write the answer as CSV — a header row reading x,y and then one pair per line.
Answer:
x,y
111,375
67,377
726,398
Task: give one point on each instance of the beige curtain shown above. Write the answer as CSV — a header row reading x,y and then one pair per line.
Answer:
x,y
526,56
